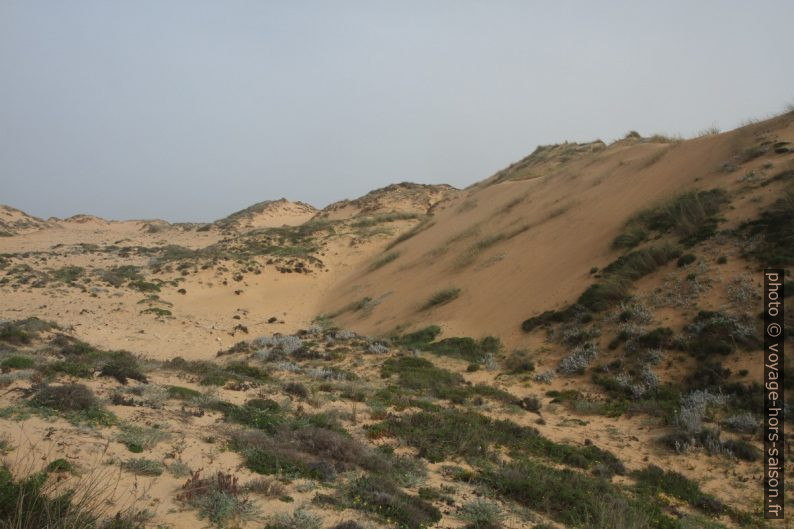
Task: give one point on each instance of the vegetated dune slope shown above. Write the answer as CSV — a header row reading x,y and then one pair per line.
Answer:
x,y
525,240
189,289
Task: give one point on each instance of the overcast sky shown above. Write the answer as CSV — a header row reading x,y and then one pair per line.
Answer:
x,y
189,109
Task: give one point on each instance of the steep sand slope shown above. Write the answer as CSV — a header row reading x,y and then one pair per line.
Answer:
x,y
525,240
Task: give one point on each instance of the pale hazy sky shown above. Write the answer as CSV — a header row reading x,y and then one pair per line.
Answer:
x,y
189,109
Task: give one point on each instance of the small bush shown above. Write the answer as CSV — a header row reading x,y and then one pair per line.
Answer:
x,y
685,260
123,366
66,397
388,502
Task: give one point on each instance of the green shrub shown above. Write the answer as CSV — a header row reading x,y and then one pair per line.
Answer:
x,y
182,393
18,362
652,480
466,348
546,318
421,375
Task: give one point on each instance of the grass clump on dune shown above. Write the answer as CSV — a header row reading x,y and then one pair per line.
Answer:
x,y
691,216
442,297
384,260
36,501
143,467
